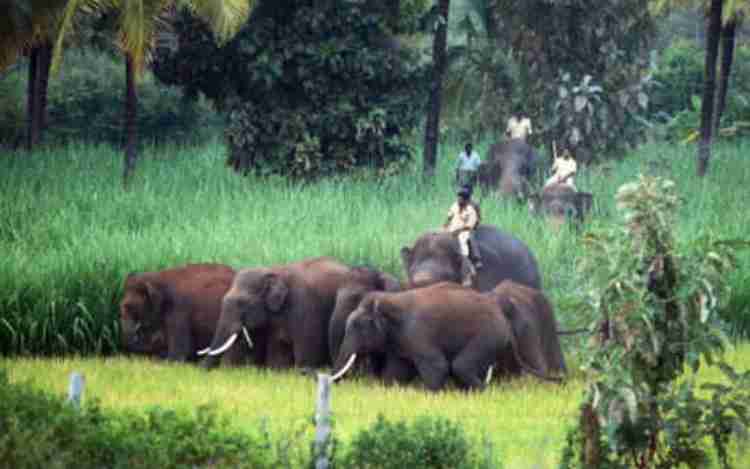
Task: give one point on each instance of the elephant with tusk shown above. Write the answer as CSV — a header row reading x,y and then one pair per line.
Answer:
x,y
287,307
438,331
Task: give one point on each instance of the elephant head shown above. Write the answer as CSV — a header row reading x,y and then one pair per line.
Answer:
x,y
561,202
435,257
509,168
142,310
367,331
256,297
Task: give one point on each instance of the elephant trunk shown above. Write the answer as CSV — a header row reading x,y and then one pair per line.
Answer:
x,y
346,358
129,332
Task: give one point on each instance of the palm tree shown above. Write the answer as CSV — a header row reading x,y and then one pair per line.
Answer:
x,y
138,21
28,27
431,134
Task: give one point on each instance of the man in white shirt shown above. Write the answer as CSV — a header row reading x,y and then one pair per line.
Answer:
x,y
519,127
468,166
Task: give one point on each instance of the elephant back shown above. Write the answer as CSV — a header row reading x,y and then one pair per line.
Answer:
x,y
504,257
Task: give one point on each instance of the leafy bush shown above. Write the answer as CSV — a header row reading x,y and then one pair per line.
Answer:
x,y
657,307
41,430
86,103
309,91
427,442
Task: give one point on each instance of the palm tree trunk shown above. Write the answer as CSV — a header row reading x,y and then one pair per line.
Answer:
x,y
709,85
727,57
45,61
32,100
131,104
431,134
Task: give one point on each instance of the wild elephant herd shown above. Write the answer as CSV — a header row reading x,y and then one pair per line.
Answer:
x,y
323,313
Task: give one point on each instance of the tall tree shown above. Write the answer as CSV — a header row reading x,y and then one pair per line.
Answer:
x,y
28,27
138,22
713,31
432,127
728,32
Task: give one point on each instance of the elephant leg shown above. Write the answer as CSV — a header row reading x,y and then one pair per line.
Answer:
x,y
471,364
434,370
397,370
179,339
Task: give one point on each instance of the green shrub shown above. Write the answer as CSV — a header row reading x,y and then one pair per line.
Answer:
x,y
38,429
428,442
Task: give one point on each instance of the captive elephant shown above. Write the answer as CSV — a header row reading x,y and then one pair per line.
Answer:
x,y
436,257
509,168
173,313
534,326
560,203
441,330
364,281
288,306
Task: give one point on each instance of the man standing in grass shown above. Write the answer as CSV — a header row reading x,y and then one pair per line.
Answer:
x,y
468,167
463,218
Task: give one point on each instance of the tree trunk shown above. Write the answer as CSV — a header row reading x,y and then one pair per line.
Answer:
x,y
131,104
45,61
32,100
709,85
432,127
727,57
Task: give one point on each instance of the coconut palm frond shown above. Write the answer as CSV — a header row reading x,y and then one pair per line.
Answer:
x,y
225,17
138,21
65,20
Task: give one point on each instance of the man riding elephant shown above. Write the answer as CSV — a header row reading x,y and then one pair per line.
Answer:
x,y
463,217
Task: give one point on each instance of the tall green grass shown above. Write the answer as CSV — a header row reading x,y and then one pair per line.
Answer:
x,y
69,234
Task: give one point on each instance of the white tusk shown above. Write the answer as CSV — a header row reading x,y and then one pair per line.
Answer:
x,y
247,337
489,375
224,347
203,351
345,368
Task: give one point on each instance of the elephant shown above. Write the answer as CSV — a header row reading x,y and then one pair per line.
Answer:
x,y
441,330
288,306
534,326
436,256
172,313
561,202
364,280
509,168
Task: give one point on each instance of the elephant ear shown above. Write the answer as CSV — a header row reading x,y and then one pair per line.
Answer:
x,y
158,296
276,292
508,307
385,311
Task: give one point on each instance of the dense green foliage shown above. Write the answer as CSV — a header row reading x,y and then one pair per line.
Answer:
x,y
70,235
675,98
309,91
657,305
86,103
